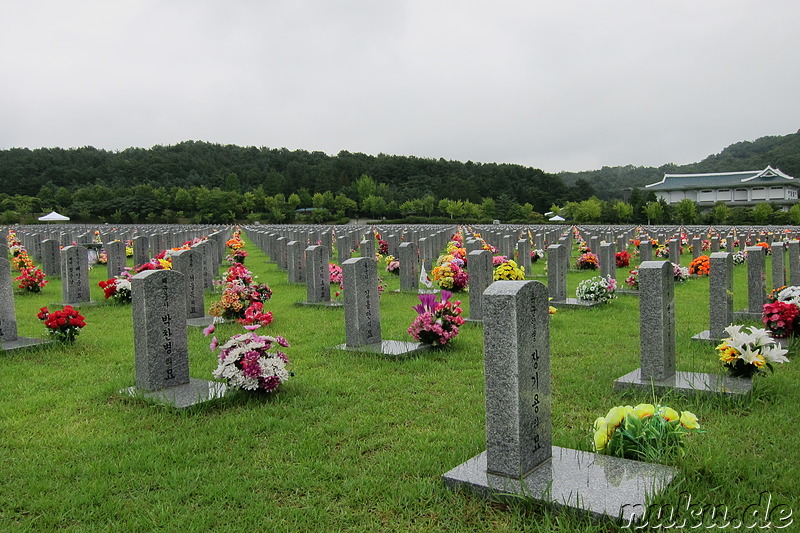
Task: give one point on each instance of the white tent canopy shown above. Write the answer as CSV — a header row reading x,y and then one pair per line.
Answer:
x,y
556,219
52,216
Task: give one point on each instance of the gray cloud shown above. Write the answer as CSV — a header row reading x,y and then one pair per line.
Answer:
x,y
556,85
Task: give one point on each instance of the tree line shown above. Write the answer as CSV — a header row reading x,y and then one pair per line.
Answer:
x,y
647,209
205,182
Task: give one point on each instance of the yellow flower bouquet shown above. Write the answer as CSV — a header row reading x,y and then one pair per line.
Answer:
x,y
646,432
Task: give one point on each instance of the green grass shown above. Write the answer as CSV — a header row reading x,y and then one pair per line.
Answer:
x,y
352,442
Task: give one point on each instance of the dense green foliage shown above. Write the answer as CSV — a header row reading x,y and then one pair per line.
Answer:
x,y
778,151
204,182
211,182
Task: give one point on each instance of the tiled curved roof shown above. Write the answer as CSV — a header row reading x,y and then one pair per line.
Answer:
x,y
750,178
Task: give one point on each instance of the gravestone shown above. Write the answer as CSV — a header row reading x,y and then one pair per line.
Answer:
x,y
74,275
115,258
720,298
343,247
778,269
556,274
519,458
367,246
608,260
480,277
295,253
675,251
409,267
161,343
190,263
141,251
318,280
756,285
793,248
697,248
362,317
51,258
9,336
645,248
524,255
657,352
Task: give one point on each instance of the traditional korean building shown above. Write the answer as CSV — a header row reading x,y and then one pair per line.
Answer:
x,y
735,189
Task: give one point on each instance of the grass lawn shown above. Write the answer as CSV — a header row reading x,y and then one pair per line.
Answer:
x,y
352,442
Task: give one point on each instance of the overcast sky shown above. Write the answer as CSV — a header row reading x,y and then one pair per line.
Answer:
x,y
556,84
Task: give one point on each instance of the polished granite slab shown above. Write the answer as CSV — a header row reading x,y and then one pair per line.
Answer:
x,y
182,396
389,348
574,303
604,486
23,342
329,303
686,382
202,321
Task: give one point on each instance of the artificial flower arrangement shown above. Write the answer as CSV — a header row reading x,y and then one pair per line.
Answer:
x,y
767,248
662,252
536,254
449,273
335,272
22,261
633,279
583,247
781,318
392,265
740,257
240,296
680,273
64,325
597,289
700,266
623,259
498,260
790,294
129,248
102,258
237,256
118,288
31,279
645,432
509,271
746,354
250,361
383,246
455,249
162,261
437,320
588,261
235,242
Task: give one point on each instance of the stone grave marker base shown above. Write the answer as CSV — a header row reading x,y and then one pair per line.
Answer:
x,y
329,303
686,382
420,291
574,303
202,321
747,315
23,342
604,486
705,336
182,396
77,305
632,292
389,348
